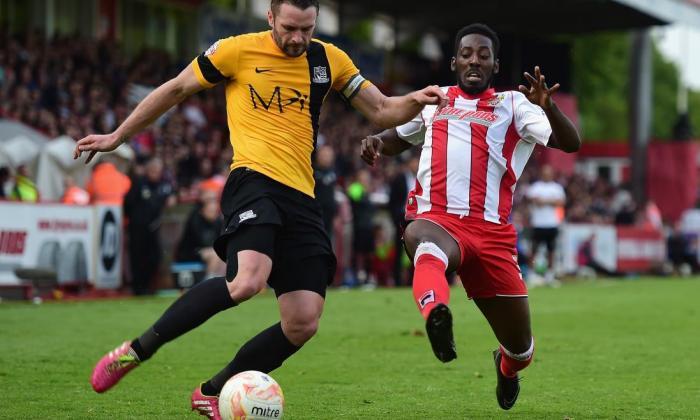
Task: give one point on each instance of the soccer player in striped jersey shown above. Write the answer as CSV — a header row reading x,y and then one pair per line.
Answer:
x,y
474,150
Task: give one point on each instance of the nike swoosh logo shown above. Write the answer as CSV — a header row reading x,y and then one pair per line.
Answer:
x,y
259,70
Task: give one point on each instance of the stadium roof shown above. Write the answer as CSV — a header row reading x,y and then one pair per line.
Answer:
x,y
540,16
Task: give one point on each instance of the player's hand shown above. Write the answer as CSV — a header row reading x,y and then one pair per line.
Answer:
x,y
371,149
538,93
96,143
431,95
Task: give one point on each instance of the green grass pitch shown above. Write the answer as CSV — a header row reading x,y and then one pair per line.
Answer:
x,y
604,349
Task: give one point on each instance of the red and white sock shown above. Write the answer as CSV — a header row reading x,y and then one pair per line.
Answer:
x,y
429,282
512,363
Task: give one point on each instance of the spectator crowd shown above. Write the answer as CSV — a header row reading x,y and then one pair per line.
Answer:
x,y
73,86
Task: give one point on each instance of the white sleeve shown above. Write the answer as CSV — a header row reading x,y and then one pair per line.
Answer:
x,y
530,120
562,192
413,131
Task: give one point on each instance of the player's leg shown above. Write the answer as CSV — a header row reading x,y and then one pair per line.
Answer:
x,y
249,263
250,252
534,247
495,283
551,247
434,252
300,312
509,318
300,285
538,240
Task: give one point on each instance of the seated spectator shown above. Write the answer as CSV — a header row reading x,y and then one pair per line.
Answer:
x,y
73,194
680,252
627,215
24,188
201,229
585,257
4,180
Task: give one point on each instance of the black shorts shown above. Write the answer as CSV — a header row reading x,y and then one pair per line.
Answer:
x,y
297,243
547,236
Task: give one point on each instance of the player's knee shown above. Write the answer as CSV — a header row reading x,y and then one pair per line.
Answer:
x,y
246,284
299,330
430,248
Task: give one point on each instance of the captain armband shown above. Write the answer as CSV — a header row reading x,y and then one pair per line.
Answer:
x,y
353,86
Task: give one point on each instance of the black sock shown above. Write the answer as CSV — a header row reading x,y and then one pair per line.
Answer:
x,y
265,352
188,312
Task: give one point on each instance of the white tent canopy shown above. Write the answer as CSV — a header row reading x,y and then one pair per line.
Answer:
x,y
51,160
18,150
56,163
11,129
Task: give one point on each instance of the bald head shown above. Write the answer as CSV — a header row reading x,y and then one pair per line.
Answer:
x,y
547,173
325,156
154,170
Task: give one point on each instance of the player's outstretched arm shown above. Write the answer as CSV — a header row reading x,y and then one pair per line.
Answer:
x,y
390,111
564,134
387,143
148,110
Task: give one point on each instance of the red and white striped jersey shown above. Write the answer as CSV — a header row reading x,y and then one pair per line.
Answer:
x,y
474,151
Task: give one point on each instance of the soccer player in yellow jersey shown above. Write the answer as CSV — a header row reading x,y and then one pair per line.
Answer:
x,y
276,82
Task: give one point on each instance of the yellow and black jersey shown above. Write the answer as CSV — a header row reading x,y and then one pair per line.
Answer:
x,y
273,101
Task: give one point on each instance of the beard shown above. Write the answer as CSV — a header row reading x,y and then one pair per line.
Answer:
x,y
291,50
476,89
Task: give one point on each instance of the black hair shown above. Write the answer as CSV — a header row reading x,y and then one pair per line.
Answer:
x,y
301,4
481,29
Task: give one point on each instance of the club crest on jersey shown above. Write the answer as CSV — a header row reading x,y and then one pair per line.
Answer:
x,y
320,74
211,50
496,100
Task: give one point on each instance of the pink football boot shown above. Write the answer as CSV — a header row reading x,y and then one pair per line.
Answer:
x,y
112,367
205,405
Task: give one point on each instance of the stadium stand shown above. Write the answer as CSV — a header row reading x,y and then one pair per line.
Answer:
x,y
72,86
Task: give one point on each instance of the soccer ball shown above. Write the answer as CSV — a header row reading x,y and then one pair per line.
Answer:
x,y
251,395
